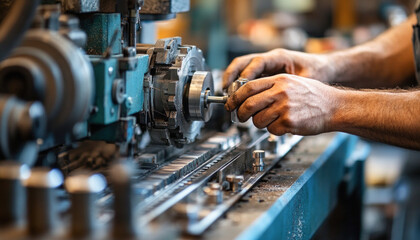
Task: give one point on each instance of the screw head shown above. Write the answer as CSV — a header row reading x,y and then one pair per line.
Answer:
x,y
129,102
258,154
214,186
110,71
230,177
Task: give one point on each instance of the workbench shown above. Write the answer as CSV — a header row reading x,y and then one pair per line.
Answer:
x,y
301,196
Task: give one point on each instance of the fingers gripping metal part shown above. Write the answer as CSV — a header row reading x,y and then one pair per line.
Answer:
x,y
231,90
181,91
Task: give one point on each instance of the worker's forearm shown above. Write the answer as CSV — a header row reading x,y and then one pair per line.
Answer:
x,y
393,118
386,61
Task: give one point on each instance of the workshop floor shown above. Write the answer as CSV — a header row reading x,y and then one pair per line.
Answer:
x,y
384,167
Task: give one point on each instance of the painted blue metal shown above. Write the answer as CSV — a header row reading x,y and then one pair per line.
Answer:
x,y
121,131
134,86
107,111
100,28
301,210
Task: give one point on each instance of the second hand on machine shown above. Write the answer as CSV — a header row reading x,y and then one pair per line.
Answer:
x,y
222,99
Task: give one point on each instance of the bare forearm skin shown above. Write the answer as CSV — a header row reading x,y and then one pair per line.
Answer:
x,y
390,117
386,62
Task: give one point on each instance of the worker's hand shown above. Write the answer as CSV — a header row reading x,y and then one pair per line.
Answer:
x,y
286,104
278,61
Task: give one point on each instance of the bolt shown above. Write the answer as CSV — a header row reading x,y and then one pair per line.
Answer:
x,y
110,71
41,198
235,182
274,144
12,192
83,188
215,196
214,186
258,164
129,102
129,52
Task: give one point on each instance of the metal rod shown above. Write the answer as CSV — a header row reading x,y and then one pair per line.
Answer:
x,y
217,99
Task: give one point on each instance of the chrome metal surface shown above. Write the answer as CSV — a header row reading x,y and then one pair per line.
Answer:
x,y
201,86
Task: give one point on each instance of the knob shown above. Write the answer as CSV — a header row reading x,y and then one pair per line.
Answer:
x,y
258,164
84,188
41,200
12,192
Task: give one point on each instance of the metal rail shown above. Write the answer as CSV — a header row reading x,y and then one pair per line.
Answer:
x,y
214,169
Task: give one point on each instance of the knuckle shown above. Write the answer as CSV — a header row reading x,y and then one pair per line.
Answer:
x,y
235,98
257,122
249,106
236,61
259,60
241,117
248,87
287,122
275,129
278,50
229,71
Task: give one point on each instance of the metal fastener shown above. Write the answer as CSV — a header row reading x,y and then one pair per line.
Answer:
x,y
235,182
41,198
110,71
12,194
84,188
129,102
274,144
258,164
215,196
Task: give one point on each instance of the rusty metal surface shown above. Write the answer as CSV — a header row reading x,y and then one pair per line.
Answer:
x,y
165,6
81,6
270,188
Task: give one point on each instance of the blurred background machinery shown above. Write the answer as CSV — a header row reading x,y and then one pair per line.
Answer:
x,y
111,125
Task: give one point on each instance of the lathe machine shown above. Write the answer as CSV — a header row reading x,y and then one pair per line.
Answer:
x,y
103,137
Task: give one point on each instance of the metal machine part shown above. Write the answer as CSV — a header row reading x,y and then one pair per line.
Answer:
x,y
84,188
21,124
258,156
162,92
179,88
41,200
50,69
124,224
81,6
12,174
229,160
200,88
15,24
163,10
